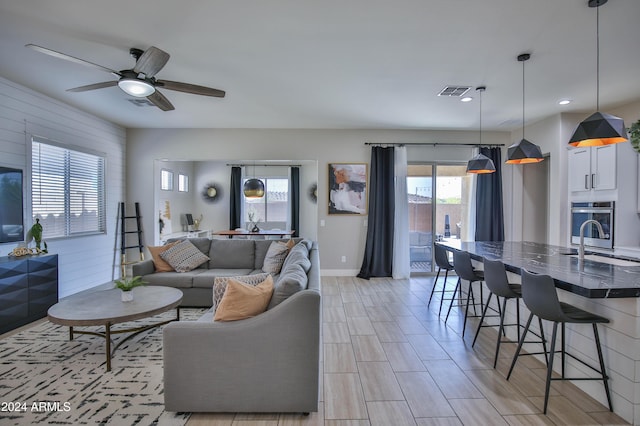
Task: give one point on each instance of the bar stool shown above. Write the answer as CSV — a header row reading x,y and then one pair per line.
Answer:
x,y
465,271
496,280
541,298
442,260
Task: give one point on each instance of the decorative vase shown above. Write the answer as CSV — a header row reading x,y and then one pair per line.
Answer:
x,y
127,296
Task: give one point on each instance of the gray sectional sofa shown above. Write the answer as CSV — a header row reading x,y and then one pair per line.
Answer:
x,y
228,258
267,363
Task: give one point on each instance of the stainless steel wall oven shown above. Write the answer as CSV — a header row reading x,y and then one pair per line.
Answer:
x,y
603,212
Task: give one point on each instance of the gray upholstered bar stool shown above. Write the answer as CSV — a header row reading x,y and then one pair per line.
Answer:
x,y
442,260
495,277
541,298
465,271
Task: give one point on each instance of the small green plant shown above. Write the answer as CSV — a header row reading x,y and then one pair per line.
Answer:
x,y
634,135
128,284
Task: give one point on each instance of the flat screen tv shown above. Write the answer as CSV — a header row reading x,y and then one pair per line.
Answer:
x,y
11,206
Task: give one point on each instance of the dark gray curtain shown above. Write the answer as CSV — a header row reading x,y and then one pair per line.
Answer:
x,y
378,251
295,200
235,208
489,214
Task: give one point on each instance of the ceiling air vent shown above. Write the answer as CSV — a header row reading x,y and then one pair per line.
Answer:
x,y
454,91
141,102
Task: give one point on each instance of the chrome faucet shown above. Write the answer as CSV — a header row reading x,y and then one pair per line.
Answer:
x,y
600,231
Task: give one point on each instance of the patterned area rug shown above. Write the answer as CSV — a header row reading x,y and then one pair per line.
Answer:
x,y
47,379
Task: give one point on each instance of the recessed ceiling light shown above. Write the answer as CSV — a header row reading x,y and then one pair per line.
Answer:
x,y
565,102
466,99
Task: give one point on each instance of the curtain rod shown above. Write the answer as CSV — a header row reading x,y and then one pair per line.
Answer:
x,y
264,165
490,145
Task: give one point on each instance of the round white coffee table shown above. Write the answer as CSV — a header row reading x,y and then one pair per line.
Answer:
x,y
106,308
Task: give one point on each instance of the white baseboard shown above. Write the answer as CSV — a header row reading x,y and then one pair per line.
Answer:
x,y
339,272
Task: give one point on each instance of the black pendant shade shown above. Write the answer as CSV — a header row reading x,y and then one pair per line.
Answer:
x,y
524,152
599,129
253,188
480,164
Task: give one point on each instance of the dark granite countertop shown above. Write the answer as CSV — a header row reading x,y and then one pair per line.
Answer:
x,y
588,278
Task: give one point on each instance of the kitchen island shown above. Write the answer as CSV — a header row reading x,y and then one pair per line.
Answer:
x,y
594,277
602,285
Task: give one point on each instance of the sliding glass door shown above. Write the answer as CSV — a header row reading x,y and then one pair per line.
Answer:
x,y
439,207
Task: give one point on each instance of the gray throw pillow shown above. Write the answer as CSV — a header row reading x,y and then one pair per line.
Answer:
x,y
184,256
275,257
291,281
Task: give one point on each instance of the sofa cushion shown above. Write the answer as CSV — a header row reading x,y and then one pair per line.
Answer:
x,y
206,278
275,256
298,254
241,301
232,254
184,256
172,279
220,285
159,264
292,280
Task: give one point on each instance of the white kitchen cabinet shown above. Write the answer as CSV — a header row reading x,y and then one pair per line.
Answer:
x,y
592,169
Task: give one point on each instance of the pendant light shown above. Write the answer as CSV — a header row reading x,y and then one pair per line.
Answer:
x,y
523,152
599,128
254,187
480,163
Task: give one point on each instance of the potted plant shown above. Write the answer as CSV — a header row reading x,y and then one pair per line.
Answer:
x,y
128,284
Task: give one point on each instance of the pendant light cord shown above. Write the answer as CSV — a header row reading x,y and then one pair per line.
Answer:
x,y
598,58
523,99
481,90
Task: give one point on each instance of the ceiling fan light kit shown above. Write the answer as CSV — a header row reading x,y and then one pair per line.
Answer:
x,y
599,128
139,81
136,87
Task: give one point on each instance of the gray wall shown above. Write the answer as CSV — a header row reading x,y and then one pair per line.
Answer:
x,y
340,235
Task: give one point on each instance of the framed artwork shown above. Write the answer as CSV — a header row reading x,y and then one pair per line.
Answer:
x,y
347,188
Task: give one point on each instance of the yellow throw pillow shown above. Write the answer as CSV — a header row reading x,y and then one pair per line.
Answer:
x,y
158,262
241,301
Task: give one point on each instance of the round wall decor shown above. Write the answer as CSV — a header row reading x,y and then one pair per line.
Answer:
x,y
210,192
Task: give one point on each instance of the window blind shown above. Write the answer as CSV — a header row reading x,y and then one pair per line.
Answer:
x,y
67,190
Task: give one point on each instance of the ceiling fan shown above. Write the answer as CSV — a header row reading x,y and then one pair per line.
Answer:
x,y
139,81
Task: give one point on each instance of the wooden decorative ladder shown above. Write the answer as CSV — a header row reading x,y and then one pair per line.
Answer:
x,y
122,232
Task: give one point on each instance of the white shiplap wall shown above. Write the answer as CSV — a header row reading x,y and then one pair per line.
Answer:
x,y
84,262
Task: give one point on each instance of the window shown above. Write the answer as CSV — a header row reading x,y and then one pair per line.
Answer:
x,y
166,180
67,190
183,183
273,208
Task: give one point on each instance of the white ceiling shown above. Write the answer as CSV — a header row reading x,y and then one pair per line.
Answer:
x,y
365,64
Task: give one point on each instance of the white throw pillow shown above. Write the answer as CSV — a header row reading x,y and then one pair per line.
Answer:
x,y
184,256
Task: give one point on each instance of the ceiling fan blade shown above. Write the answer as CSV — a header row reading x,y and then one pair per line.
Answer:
x,y
151,61
93,86
66,57
190,88
160,101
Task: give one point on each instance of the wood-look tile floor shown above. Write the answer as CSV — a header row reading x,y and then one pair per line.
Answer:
x,y
388,359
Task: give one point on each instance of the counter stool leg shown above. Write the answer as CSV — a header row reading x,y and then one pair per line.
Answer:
x,y
501,329
444,288
458,286
484,313
605,378
435,282
520,343
550,366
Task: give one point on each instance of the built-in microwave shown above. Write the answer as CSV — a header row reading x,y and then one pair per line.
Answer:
x,y
603,212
